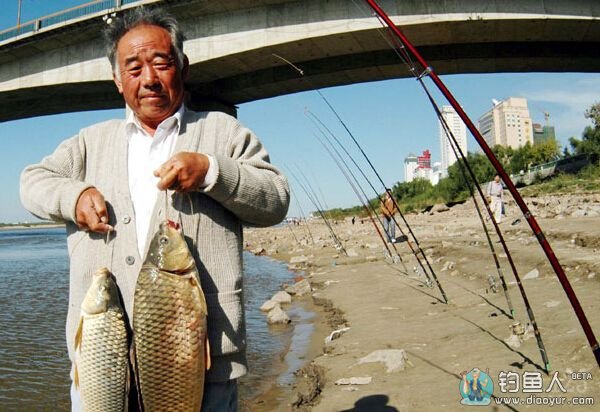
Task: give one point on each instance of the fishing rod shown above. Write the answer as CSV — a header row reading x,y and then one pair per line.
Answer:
x,y
458,153
303,215
293,234
333,235
387,190
401,52
349,170
395,204
355,192
354,185
543,241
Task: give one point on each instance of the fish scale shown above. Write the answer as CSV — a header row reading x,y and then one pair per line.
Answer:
x,y
102,365
170,326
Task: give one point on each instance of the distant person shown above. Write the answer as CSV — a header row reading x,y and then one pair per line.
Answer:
x,y
495,193
353,219
388,209
112,176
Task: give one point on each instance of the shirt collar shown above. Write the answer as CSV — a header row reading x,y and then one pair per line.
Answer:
x,y
170,123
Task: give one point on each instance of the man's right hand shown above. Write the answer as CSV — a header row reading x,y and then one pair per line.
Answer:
x,y
91,213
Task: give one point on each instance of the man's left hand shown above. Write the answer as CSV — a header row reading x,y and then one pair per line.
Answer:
x,y
183,172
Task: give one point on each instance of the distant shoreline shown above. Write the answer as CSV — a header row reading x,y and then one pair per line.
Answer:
x,y
32,226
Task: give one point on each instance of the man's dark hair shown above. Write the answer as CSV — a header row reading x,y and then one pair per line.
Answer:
x,y
139,16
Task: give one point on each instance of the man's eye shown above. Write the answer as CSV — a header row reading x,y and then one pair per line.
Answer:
x,y
162,65
134,69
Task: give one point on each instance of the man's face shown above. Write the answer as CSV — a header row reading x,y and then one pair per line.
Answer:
x,y
497,179
150,81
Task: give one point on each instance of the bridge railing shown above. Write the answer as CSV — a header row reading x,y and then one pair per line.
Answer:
x,y
62,16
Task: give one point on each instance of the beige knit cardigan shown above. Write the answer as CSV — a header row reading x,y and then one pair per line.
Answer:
x,y
248,191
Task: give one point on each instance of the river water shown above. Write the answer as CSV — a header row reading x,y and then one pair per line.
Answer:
x,y
34,365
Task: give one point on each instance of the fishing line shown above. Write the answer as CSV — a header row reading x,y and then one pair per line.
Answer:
x,y
302,214
356,192
301,72
332,233
356,183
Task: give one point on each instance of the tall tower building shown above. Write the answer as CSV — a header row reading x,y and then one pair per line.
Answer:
x,y
459,130
508,123
410,165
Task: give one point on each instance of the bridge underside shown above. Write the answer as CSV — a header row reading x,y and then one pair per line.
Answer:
x,y
451,47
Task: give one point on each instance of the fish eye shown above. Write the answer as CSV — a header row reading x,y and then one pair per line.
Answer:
x,y
163,240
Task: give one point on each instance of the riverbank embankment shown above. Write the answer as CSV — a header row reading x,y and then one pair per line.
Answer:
x,y
400,347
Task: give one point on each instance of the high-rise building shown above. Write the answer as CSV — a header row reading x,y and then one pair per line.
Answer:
x,y
410,165
508,123
542,134
424,161
459,131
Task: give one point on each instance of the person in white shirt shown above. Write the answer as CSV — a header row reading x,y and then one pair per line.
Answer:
x,y
109,176
495,193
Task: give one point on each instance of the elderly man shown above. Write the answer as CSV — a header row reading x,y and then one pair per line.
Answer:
x,y
108,177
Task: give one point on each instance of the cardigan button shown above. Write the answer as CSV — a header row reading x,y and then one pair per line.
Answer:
x,y
130,260
126,219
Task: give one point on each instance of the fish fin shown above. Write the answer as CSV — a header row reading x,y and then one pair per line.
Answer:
x,y
76,377
136,376
207,354
127,386
79,333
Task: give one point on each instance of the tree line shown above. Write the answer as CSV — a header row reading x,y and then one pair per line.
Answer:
x,y
419,193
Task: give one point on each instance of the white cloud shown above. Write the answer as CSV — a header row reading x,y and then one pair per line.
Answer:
x,y
566,102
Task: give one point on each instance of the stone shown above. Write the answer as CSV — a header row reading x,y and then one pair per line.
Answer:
x,y
336,334
446,244
532,275
371,258
259,251
438,209
298,259
268,305
351,253
552,304
579,213
394,359
282,297
278,316
361,380
302,288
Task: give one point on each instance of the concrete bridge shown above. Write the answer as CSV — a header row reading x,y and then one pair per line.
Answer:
x,y
231,46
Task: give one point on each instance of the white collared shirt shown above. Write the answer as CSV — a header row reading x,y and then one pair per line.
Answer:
x,y
146,154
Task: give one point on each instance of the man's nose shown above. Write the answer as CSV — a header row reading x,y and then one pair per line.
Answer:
x,y
149,76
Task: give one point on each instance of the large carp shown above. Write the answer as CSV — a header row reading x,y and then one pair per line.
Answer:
x,y
169,326
102,348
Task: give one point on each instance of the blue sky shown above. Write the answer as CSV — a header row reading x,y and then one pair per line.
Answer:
x,y
389,118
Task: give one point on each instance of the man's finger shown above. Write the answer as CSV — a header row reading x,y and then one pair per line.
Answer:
x,y
168,179
163,169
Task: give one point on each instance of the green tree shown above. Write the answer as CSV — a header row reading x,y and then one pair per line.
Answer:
x,y
590,139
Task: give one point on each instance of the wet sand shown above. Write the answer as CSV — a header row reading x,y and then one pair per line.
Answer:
x,y
388,306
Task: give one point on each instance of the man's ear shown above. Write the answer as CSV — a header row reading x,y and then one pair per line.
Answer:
x,y
118,83
185,69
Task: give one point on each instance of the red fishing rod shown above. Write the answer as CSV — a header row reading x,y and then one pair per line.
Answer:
x,y
564,281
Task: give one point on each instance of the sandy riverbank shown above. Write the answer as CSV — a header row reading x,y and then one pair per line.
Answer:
x,y
388,307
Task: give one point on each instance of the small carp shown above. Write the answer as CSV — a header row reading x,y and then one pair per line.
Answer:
x,y
170,326
102,348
